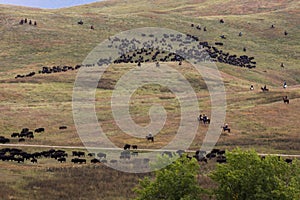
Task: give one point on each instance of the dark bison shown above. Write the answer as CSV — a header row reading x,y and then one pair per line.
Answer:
x,y
39,130
91,154
63,127
15,135
221,159
78,160
61,160
95,160
4,140
127,146
101,155
78,153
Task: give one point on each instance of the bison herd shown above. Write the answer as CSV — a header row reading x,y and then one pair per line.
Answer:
x,y
50,70
26,133
165,52
25,21
20,156
80,157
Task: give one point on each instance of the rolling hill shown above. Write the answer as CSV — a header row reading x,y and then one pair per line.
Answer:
x,y
258,120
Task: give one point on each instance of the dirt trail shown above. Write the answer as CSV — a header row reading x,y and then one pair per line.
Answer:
x,y
120,149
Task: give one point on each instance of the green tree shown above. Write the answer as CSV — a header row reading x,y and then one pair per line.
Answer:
x,y
248,177
177,181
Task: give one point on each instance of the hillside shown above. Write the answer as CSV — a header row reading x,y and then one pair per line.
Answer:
x,y
59,40
258,120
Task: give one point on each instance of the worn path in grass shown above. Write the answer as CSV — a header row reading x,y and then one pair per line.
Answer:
x,y
119,149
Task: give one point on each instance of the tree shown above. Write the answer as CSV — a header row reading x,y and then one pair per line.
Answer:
x,y
247,176
177,181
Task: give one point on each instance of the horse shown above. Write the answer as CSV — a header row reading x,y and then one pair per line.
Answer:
x,y
204,119
151,138
264,89
285,100
226,128
200,118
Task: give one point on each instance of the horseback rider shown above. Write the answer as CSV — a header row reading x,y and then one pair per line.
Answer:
x,y
284,84
265,87
204,118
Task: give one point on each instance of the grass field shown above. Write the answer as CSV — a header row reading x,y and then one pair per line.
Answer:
x,y
258,120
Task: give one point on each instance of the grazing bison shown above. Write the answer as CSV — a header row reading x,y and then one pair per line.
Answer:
x,y
95,161
39,130
61,160
219,43
221,159
215,151
4,140
78,160
101,155
63,127
91,154
113,161
25,130
81,154
288,160
135,153
33,160
19,159
125,155
127,146
210,155
21,140
15,135
134,146
78,153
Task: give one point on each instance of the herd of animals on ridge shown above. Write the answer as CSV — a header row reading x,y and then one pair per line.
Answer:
x,y
144,55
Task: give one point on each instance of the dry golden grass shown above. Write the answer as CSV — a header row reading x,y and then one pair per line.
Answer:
x,y
258,120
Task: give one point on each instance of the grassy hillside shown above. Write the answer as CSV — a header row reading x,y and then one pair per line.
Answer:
x,y
258,120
